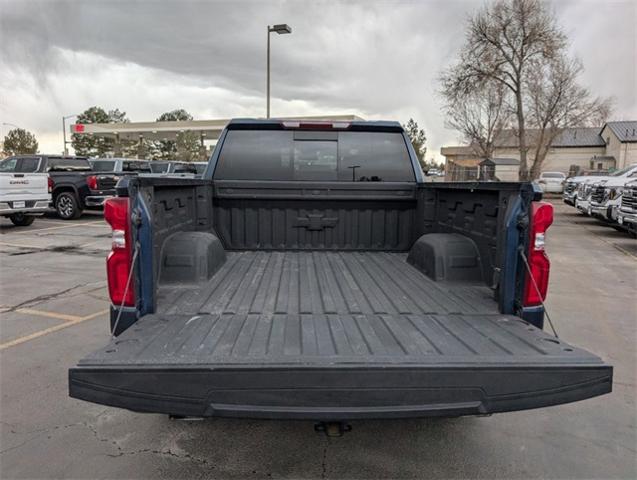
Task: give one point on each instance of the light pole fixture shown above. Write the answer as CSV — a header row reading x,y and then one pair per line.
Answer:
x,y
11,125
281,29
65,151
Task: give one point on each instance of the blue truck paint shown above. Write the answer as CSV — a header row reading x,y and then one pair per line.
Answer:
x,y
511,262
144,241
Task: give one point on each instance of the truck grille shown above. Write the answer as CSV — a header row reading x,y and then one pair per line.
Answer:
x,y
570,187
629,199
597,194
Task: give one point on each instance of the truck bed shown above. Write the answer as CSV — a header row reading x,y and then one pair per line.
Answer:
x,y
330,335
319,282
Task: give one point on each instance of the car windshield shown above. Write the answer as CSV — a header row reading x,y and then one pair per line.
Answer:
x,y
552,175
619,173
103,165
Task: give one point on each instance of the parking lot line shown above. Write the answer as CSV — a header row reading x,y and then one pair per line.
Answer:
x,y
100,222
43,313
21,245
55,328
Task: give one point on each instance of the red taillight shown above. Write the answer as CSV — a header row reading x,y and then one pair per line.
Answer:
x,y
91,181
50,183
118,263
536,284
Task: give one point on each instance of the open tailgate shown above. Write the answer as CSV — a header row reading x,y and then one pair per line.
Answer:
x,y
336,367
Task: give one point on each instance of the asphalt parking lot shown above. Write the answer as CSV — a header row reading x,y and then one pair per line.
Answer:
x,y
53,309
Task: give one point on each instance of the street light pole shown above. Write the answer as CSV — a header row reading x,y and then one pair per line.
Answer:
x,y
280,29
65,150
267,94
11,125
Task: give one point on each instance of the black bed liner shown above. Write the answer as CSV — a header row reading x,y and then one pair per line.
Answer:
x,y
320,282
330,336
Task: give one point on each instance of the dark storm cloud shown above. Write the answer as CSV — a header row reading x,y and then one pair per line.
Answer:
x,y
334,48
378,58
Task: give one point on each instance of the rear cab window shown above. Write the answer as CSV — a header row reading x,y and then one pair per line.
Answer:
x,y
20,164
69,164
129,166
159,167
306,155
9,164
103,165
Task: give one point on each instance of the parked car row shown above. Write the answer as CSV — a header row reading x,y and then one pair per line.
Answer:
x,y
611,198
30,185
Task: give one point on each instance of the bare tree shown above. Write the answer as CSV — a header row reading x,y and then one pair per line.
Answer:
x,y
503,38
556,101
480,115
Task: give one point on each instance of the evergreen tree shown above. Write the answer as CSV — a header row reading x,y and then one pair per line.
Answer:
x,y
19,141
418,139
185,148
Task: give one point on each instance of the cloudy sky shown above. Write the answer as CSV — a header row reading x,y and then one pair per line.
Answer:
x,y
377,59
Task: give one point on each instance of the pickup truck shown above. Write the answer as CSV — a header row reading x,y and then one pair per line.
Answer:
x,y
173,167
606,194
586,186
107,172
23,195
67,180
313,274
627,214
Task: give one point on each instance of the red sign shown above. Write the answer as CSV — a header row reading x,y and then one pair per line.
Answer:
x,y
77,128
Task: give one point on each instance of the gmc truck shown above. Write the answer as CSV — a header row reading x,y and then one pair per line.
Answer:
x,y
627,214
67,179
313,274
23,195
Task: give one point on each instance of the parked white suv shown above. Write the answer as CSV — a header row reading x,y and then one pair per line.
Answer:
x,y
23,196
552,182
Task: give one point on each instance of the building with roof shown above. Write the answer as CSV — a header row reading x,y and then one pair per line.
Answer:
x,y
502,169
610,147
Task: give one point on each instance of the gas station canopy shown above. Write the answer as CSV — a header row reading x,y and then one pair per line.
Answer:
x,y
206,129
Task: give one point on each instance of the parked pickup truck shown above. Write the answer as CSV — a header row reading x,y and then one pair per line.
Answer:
x,y
107,172
627,214
23,195
67,180
313,274
588,185
606,195
173,167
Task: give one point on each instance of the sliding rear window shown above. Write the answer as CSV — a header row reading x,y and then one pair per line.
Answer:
x,y
69,164
142,167
294,155
103,165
